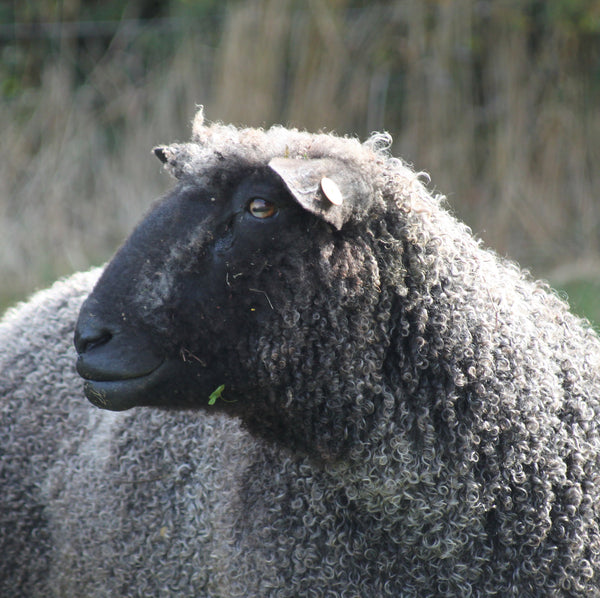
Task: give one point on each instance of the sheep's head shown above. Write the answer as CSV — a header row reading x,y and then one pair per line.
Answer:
x,y
243,290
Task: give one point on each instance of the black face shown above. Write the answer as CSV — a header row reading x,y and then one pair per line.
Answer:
x,y
180,309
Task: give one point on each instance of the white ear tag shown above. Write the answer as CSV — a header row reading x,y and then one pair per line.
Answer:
x,y
331,191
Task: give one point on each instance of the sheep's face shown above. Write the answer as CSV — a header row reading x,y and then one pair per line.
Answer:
x,y
221,295
183,292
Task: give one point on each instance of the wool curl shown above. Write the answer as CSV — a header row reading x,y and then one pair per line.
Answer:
x,y
429,425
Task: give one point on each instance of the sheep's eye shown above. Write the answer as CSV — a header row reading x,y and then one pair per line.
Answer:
x,y
261,208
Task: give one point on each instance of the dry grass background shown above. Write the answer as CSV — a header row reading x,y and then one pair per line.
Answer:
x,y
499,106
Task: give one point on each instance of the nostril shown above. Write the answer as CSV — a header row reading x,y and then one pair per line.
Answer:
x,y
96,342
90,337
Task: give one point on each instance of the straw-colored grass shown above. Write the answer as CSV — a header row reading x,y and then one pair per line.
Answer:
x,y
501,113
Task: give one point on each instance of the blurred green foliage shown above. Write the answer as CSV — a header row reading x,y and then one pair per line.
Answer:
x,y
35,32
575,17
584,298
30,34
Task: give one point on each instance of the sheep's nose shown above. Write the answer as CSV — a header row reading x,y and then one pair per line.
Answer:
x,y
89,335
109,352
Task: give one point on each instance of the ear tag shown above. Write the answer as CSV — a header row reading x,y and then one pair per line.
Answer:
x,y
331,191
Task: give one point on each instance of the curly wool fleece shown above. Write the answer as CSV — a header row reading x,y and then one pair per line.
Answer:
x,y
431,428
93,503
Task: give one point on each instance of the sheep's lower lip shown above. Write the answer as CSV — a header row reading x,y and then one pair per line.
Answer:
x,y
124,393
172,384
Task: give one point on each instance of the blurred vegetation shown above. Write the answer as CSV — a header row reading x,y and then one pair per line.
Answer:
x,y
583,295
496,99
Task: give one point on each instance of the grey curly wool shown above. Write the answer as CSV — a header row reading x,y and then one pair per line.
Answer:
x,y
428,423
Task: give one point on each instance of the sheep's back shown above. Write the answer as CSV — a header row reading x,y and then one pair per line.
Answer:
x,y
39,408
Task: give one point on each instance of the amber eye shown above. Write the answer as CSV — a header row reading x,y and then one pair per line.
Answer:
x,y
261,208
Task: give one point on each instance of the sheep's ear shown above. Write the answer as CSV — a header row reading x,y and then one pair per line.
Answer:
x,y
326,187
159,152
175,157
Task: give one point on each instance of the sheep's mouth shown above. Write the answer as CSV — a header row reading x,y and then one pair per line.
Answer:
x,y
122,371
170,383
124,393
120,390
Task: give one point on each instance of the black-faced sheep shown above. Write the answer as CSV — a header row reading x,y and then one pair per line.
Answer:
x,y
418,417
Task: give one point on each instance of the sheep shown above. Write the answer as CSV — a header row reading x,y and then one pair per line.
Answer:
x,y
315,381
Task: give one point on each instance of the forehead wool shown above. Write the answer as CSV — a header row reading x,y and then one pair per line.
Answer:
x,y
218,146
